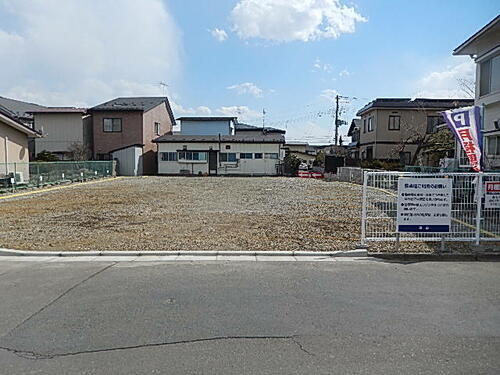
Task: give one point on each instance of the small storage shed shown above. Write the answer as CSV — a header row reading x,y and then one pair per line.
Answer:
x,y
128,160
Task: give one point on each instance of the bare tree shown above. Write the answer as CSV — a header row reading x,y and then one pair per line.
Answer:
x,y
414,132
79,151
468,86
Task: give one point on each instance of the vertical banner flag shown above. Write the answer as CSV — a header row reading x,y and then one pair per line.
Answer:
x,y
465,123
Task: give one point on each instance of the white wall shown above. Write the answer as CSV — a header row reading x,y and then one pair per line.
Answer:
x,y
205,127
129,161
255,167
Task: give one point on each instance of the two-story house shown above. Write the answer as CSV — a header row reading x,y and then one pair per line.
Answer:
x,y
396,129
65,131
484,48
220,146
124,122
353,146
14,138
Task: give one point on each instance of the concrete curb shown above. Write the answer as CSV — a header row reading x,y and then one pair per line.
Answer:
x,y
349,253
416,257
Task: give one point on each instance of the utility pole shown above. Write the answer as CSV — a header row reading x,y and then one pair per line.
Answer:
x,y
336,120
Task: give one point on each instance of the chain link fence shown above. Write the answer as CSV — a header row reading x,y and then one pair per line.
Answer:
x,y
470,219
14,176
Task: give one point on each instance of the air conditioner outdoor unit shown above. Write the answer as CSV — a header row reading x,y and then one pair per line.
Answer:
x,y
19,177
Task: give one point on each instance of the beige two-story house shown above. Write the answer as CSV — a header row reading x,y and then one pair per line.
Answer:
x,y
396,129
484,48
66,131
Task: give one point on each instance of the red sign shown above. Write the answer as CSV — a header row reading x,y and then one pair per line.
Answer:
x,y
493,187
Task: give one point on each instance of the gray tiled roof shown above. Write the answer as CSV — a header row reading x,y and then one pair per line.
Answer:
x,y
245,127
18,109
130,104
135,104
207,118
171,138
27,128
406,103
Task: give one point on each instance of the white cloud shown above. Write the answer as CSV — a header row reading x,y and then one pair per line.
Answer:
x,y
246,88
291,20
310,132
76,52
219,34
242,112
320,66
445,83
179,110
345,73
329,94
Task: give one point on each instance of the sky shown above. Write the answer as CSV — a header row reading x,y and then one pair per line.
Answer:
x,y
287,58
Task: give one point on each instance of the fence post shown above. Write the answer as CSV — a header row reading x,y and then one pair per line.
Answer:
x,y
479,200
363,209
15,181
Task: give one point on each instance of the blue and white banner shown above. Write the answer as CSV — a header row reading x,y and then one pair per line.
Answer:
x,y
465,123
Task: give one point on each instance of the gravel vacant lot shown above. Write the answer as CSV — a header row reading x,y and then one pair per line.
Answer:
x,y
187,213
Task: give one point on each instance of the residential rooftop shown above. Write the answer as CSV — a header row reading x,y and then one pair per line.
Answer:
x,y
469,47
59,110
408,103
175,138
207,118
18,108
266,129
13,121
135,104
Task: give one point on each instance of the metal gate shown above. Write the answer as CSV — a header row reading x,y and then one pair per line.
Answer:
x,y
470,220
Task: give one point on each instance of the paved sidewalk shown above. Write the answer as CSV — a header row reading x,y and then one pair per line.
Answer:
x,y
186,258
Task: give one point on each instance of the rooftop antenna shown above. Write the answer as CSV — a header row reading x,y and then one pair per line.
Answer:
x,y
164,87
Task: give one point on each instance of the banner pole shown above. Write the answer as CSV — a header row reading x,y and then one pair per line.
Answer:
x,y
481,135
479,199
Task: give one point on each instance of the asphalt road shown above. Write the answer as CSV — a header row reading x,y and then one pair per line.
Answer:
x,y
346,317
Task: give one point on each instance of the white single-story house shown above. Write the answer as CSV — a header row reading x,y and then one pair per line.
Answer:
x,y
180,154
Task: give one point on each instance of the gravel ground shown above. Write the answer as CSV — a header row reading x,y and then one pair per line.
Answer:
x,y
187,213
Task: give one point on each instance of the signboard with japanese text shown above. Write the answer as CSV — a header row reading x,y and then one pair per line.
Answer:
x,y
492,194
424,205
465,123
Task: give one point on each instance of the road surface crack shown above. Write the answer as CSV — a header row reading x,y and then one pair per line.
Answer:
x,y
37,356
60,296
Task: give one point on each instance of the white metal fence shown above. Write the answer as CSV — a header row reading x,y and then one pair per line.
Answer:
x,y
470,220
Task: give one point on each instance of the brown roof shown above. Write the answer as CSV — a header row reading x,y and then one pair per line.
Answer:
x,y
59,110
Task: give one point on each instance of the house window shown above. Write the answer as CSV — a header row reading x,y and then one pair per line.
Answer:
x,y
112,125
257,155
246,155
103,157
228,147
168,156
370,124
369,153
157,128
405,158
493,145
227,157
394,122
489,76
271,155
364,126
192,156
433,122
